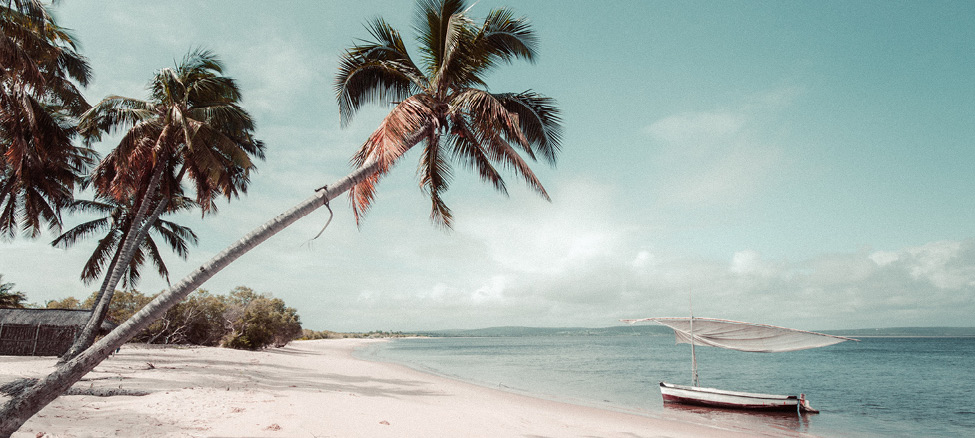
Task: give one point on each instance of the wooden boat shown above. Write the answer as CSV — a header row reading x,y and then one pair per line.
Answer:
x,y
711,397
741,336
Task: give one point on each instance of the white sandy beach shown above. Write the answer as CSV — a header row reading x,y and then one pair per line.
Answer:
x,y
309,389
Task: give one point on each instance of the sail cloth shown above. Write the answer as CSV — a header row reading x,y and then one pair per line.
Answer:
x,y
744,336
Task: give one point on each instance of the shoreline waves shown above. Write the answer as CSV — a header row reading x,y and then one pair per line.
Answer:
x,y
314,389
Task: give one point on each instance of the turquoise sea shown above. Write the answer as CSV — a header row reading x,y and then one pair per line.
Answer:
x,y
878,387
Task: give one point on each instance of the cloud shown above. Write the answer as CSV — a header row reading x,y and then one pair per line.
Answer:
x,y
554,238
284,73
932,284
562,264
720,157
701,127
946,265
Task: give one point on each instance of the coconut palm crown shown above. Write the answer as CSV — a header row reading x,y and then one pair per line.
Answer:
x,y
191,126
115,222
39,105
443,104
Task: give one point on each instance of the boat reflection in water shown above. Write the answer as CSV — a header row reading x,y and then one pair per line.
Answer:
x,y
783,421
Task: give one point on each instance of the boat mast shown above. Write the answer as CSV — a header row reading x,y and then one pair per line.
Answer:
x,y
694,379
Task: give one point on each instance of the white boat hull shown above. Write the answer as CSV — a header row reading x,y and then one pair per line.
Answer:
x,y
695,395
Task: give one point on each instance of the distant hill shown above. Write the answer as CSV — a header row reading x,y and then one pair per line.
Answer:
x,y
551,331
906,331
658,330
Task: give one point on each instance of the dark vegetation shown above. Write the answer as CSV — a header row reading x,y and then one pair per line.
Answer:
x,y
9,298
242,319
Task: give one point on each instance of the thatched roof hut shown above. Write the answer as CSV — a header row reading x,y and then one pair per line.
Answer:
x,y
41,332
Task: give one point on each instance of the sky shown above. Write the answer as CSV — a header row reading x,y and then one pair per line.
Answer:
x,y
807,164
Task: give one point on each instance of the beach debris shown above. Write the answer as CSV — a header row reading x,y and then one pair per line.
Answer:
x,y
106,392
151,366
273,427
384,422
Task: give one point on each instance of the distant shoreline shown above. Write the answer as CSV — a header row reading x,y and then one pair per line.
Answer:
x,y
653,329
911,336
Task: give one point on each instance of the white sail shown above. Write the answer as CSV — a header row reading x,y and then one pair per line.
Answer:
x,y
744,336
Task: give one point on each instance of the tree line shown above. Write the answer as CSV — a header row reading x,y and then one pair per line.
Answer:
x,y
308,335
242,319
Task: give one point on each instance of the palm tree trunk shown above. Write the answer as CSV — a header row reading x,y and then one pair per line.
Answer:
x,y
133,238
30,401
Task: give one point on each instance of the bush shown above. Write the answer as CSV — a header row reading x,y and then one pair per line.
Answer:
x,y
243,319
197,320
262,321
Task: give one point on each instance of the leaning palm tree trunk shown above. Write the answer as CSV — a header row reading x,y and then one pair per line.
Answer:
x,y
138,229
37,395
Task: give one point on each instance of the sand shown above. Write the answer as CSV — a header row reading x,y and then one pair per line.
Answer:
x,y
310,389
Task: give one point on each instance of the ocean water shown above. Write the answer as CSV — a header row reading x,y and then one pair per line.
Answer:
x,y
878,387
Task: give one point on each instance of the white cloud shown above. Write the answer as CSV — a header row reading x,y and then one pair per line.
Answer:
x,y
643,259
946,264
718,157
701,127
491,292
542,238
283,73
884,258
749,262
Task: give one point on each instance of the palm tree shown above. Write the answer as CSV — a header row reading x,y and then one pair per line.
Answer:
x,y
191,127
383,147
115,223
39,104
441,103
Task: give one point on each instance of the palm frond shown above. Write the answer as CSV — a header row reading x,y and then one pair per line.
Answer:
x,y
467,149
435,176
431,24
208,89
227,117
149,246
113,114
484,110
86,206
10,207
176,236
200,61
405,126
381,71
500,150
133,272
455,62
539,120
104,252
507,38
73,64
80,231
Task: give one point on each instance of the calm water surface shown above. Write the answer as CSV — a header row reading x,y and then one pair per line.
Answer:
x,y
873,388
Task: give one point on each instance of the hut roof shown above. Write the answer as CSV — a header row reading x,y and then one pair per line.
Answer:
x,y
58,317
